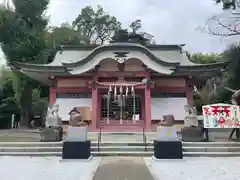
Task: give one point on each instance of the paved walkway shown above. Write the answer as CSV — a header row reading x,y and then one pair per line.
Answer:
x,y
122,168
195,168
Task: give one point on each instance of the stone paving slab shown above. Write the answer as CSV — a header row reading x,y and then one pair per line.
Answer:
x,y
122,168
46,168
195,168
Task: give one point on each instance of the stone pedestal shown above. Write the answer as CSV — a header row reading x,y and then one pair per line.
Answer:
x,y
167,144
76,150
192,134
76,146
168,149
166,134
77,133
50,135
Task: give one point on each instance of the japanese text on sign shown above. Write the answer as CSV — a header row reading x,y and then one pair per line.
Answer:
x,y
221,116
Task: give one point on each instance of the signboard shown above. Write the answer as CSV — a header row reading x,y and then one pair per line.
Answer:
x,y
221,116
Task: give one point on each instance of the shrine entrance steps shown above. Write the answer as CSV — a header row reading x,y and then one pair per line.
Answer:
x,y
124,126
120,147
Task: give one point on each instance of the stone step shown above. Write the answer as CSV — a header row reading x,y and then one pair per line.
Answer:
x,y
116,143
126,143
211,144
31,149
105,153
110,153
57,144
30,153
30,144
122,148
123,153
211,154
211,149
119,148
93,148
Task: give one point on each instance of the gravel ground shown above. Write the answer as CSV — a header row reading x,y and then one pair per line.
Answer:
x,y
195,169
45,168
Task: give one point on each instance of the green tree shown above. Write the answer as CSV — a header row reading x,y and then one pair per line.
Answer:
x,y
23,39
7,105
123,35
9,102
97,25
231,77
205,58
227,4
57,36
204,96
65,34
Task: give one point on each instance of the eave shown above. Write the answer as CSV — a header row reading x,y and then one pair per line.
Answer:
x,y
41,73
203,70
202,67
37,67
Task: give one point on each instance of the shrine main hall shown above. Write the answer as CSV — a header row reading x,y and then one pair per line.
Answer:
x,y
121,86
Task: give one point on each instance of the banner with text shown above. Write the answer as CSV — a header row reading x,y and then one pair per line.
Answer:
x,y
221,116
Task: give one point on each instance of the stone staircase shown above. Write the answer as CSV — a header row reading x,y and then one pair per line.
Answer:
x,y
212,149
126,126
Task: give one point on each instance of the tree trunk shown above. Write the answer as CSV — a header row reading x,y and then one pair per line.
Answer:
x,y
26,105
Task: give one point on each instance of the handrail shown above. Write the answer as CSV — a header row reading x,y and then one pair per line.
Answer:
x,y
143,133
144,140
99,138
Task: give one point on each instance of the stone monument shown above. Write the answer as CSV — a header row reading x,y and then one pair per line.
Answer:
x,y
52,125
191,131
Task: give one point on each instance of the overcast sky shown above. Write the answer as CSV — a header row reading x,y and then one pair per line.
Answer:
x,y
170,21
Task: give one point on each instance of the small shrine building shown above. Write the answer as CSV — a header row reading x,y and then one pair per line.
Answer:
x,y
124,85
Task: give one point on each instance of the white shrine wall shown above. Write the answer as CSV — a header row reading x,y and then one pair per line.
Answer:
x,y
67,104
169,105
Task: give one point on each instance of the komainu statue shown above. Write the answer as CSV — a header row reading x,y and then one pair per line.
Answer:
x,y
191,119
235,97
168,120
77,131
75,118
191,132
53,130
52,117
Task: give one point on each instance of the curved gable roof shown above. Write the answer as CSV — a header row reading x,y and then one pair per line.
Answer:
x,y
119,47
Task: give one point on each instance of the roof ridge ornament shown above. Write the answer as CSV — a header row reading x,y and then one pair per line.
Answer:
x,y
121,60
121,56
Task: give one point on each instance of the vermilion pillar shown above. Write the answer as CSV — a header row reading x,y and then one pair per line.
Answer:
x,y
148,118
52,95
95,108
142,106
98,108
189,91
